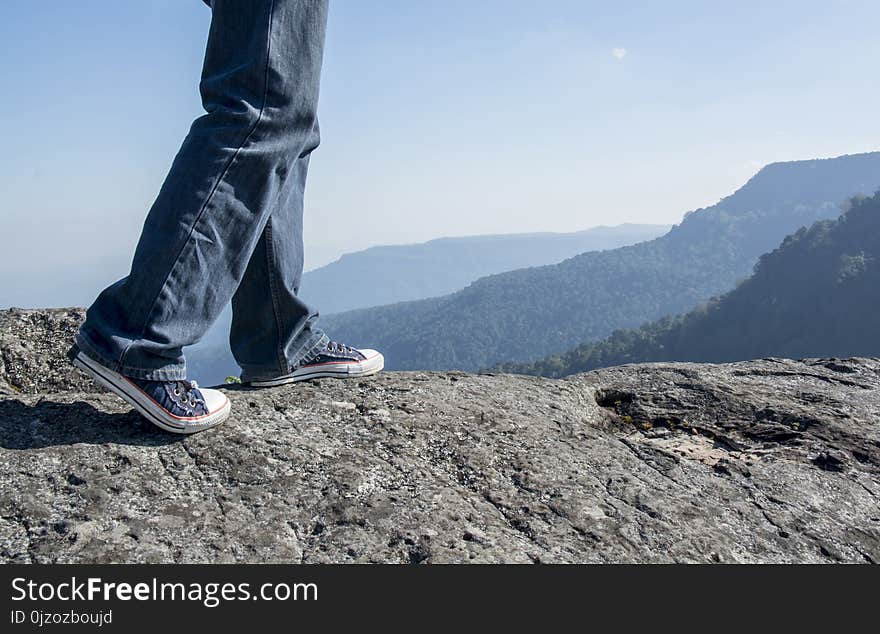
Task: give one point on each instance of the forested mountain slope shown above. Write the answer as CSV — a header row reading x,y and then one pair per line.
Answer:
x,y
530,313
818,295
405,272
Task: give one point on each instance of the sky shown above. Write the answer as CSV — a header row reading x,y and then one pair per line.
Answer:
x,y
438,118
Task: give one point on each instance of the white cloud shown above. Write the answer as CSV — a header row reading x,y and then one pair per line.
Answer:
x,y
618,53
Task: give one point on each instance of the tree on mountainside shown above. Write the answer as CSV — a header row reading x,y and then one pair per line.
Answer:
x,y
818,294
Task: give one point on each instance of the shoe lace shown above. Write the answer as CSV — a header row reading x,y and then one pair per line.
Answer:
x,y
185,391
339,347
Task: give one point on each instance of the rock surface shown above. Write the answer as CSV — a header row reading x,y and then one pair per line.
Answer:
x,y
33,349
762,461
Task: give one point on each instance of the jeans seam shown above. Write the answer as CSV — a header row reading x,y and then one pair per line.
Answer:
x,y
217,183
273,292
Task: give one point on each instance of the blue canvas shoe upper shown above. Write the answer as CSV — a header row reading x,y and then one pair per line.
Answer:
x,y
334,352
178,398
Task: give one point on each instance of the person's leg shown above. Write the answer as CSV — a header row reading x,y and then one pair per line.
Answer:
x,y
273,334
260,89
272,328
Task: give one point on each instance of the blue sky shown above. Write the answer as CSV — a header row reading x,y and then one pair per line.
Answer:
x,y
438,117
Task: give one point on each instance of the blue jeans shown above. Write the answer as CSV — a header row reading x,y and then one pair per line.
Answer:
x,y
227,223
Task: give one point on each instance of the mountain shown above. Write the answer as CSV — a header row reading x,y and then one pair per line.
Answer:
x,y
530,313
392,273
389,274
817,295
762,461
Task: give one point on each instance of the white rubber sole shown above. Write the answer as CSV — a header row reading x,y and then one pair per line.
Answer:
x,y
337,370
150,410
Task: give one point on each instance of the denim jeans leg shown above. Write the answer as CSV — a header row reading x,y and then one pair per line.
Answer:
x,y
273,330
259,89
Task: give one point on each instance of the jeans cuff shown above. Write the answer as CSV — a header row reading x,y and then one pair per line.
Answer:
x,y
310,349
260,373
169,372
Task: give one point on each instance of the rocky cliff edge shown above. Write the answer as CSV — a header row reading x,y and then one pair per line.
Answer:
x,y
763,461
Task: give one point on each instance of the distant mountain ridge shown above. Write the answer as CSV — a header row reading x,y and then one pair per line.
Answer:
x,y
416,271
530,313
389,274
817,295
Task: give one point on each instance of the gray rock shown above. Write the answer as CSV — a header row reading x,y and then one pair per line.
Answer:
x,y
762,461
33,347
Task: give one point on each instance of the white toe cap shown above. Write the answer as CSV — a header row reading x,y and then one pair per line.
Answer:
x,y
215,400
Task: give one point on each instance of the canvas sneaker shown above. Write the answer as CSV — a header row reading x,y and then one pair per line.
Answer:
x,y
181,407
333,360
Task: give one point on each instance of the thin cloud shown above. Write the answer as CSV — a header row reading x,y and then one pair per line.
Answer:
x,y
618,53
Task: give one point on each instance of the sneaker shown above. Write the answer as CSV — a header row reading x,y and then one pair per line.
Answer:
x,y
181,407
333,360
